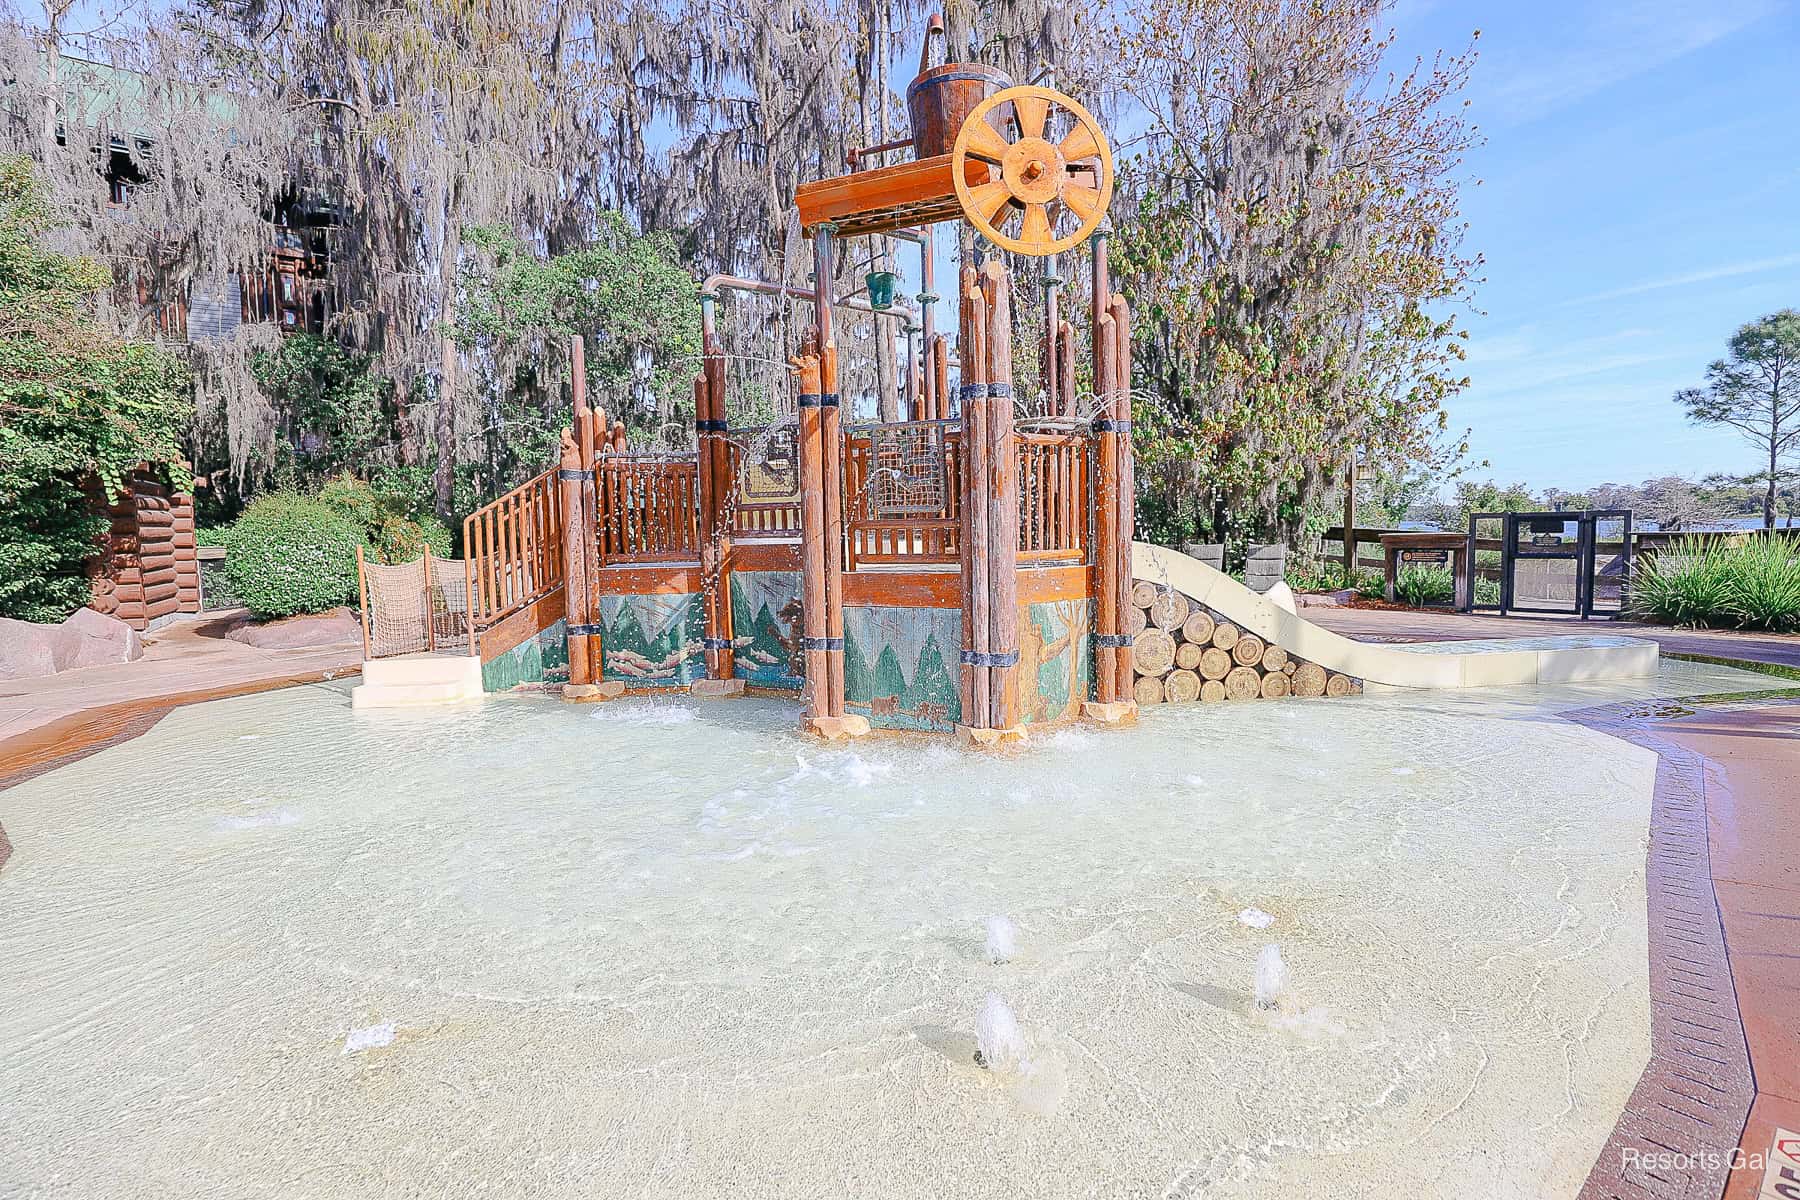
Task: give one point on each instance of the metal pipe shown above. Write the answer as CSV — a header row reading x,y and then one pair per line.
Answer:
x,y
926,240
857,153
709,294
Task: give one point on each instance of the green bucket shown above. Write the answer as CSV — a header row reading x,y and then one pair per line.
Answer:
x,y
882,285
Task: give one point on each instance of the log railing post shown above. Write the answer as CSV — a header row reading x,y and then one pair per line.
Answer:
x,y
430,603
1003,509
575,476
831,442
976,675
1126,476
714,485
1113,702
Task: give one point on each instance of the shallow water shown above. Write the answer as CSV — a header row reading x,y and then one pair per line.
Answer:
x,y
654,948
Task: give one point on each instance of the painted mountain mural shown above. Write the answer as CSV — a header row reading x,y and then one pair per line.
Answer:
x,y
653,641
897,666
765,611
1056,659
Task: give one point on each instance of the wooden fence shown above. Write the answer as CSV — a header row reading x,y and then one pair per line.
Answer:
x,y
765,508
649,508
1053,496
880,535
513,550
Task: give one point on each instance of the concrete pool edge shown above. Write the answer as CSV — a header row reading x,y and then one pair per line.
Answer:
x,y
73,736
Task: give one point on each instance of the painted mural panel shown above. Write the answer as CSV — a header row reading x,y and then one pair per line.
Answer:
x,y
1056,659
653,641
765,622
540,659
901,666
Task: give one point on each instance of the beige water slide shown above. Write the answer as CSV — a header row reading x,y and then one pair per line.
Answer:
x,y
1498,662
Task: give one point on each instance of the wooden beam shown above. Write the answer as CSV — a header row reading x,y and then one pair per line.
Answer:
x,y
909,193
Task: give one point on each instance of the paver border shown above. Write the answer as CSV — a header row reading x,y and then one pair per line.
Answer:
x,y
1682,1121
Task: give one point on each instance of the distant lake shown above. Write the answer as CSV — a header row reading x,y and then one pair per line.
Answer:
x,y
1644,525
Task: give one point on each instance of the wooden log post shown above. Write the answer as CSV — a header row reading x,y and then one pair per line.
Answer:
x,y
805,368
1114,691
831,442
975,510
1003,508
580,541
711,453
1350,521
580,573
814,587
940,369
1120,379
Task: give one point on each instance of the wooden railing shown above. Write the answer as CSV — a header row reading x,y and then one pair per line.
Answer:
x,y
649,508
759,514
1053,497
513,550
874,536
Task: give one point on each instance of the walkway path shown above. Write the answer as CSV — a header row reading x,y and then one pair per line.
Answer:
x,y
1753,825
1431,626
46,719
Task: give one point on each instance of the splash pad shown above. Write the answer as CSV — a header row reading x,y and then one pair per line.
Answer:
x,y
968,568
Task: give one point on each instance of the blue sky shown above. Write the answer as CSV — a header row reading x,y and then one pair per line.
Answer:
x,y
1639,200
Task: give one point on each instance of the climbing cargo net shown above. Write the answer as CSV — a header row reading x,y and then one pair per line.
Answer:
x,y
415,608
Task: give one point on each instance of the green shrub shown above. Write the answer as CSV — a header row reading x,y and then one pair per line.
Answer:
x,y
78,405
1329,576
1751,584
390,533
1418,585
292,554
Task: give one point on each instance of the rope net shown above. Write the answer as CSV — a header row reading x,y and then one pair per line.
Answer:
x,y
416,607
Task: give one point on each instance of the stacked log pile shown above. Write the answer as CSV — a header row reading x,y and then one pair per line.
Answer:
x,y
1184,651
148,568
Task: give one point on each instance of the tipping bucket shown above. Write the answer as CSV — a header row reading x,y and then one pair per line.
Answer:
x,y
942,97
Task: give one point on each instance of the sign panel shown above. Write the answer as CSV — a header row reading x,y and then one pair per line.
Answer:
x,y
1438,557
1781,1172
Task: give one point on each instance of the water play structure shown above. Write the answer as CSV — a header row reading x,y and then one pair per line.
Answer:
x,y
970,567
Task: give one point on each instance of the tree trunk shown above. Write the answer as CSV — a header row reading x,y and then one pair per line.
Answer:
x,y
444,478
1769,495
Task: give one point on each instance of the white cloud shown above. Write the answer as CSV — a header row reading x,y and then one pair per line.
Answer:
x,y
1727,271
1611,44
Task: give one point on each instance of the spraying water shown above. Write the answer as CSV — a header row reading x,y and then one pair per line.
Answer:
x,y
1002,940
1271,977
999,1041
1256,918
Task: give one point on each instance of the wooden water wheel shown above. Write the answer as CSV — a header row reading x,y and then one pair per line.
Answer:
x,y
1037,182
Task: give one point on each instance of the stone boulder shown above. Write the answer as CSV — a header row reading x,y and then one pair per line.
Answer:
x,y
333,628
86,639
